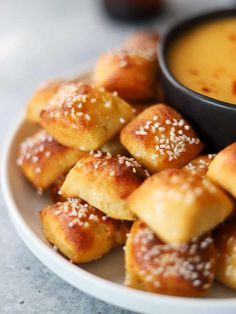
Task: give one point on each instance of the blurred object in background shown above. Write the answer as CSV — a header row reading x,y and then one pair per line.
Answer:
x,y
133,10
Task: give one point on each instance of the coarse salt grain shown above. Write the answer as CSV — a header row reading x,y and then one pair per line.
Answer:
x,y
38,170
123,63
115,93
47,154
35,159
107,104
87,117
141,132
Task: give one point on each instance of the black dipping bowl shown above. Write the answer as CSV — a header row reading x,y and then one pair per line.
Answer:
x,y
214,120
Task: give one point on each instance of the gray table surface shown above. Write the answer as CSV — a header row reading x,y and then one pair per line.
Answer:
x,y
40,40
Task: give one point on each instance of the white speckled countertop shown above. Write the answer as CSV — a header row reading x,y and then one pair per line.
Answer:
x,y
40,40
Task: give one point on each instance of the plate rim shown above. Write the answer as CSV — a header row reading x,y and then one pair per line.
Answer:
x,y
96,286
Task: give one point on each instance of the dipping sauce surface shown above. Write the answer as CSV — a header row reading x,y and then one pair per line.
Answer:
x,y
204,59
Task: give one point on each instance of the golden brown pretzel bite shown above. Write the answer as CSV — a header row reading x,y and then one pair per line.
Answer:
x,y
184,270
41,98
143,42
160,138
222,169
199,165
132,74
84,117
146,42
105,182
225,242
81,232
42,159
178,206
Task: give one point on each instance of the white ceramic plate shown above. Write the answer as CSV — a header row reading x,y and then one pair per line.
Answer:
x,y
103,278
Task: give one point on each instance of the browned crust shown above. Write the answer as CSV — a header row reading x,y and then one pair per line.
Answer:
x,y
85,117
143,138
84,236
182,270
38,156
135,81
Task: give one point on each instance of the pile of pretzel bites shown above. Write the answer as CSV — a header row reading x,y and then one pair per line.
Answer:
x,y
125,168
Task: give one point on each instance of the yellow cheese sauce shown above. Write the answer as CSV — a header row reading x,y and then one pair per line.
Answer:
x,y
204,59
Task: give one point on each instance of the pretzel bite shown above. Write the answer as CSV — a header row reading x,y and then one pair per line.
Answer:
x,y
132,74
199,165
160,138
81,232
142,41
178,206
147,42
41,98
114,147
225,242
222,169
42,159
55,188
84,117
184,269
105,182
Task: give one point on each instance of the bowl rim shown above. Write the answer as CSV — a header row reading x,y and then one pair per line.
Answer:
x,y
174,31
